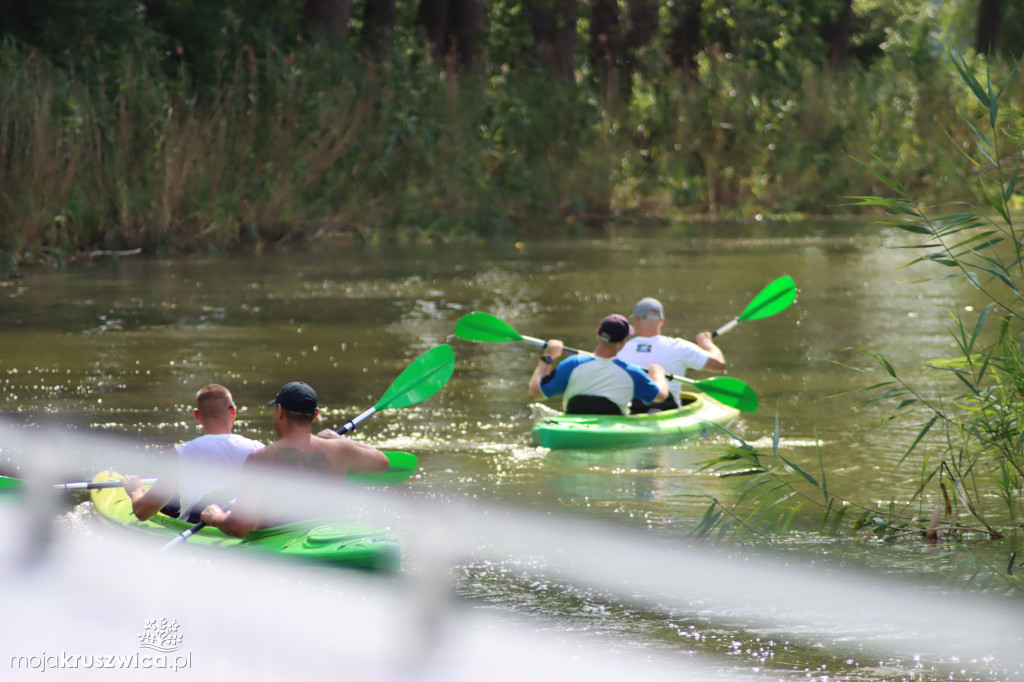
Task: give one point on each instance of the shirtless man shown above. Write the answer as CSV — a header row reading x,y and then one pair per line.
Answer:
x,y
295,409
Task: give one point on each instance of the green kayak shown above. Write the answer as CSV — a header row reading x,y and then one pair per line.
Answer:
x,y
698,416
338,542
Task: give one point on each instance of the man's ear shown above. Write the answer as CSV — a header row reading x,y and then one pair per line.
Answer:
x,y
195,413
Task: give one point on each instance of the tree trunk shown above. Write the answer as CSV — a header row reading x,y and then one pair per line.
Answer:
x,y
327,18
466,23
452,27
432,19
604,50
554,31
837,34
564,52
378,22
989,16
686,41
641,25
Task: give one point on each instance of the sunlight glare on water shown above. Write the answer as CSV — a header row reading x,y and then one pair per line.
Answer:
x,y
413,627
120,347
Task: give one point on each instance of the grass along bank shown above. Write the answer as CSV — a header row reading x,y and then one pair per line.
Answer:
x,y
298,147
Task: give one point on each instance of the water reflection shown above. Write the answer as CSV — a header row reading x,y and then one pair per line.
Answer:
x,y
122,346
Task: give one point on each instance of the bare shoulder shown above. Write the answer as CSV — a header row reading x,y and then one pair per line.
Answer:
x,y
335,449
263,454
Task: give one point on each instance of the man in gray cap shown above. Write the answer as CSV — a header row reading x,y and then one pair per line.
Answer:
x,y
675,355
295,409
600,383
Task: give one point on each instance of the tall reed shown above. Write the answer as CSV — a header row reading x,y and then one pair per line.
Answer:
x,y
311,145
968,440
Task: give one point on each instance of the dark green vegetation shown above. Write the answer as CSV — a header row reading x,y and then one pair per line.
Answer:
x,y
968,419
178,125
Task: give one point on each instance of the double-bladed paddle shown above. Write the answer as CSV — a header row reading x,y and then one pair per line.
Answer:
x,y
420,380
403,466
773,299
487,328
15,485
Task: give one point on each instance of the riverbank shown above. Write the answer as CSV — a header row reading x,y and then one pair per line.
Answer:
x,y
290,149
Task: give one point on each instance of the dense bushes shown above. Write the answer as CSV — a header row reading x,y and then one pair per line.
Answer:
x,y
123,148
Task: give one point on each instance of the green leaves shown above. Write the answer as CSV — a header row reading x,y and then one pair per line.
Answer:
x,y
971,411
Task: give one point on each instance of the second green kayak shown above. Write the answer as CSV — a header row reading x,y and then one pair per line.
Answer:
x,y
340,542
698,416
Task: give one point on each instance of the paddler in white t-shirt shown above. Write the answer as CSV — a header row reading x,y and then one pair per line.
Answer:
x,y
208,468
675,355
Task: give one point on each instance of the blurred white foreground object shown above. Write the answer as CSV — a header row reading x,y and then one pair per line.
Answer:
x,y
78,592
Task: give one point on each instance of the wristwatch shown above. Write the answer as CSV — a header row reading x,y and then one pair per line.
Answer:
x,y
546,359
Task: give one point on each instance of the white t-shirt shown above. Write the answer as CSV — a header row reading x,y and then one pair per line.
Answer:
x,y
221,457
675,355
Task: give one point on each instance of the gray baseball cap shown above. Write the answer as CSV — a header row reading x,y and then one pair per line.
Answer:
x,y
645,306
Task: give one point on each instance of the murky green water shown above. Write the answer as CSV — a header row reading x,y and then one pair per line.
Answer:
x,y
122,345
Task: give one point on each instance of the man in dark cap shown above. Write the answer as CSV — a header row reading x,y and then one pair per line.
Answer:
x,y
295,409
675,355
598,383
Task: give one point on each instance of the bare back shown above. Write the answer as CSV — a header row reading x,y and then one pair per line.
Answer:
x,y
298,450
326,452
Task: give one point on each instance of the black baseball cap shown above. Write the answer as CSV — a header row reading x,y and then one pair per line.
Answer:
x,y
296,397
614,328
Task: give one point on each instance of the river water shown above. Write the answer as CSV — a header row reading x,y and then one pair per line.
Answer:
x,y
122,344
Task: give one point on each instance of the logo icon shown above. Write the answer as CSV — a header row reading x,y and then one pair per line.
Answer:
x,y
160,635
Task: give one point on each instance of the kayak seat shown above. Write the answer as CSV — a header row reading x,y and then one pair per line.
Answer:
x,y
591,404
640,407
173,507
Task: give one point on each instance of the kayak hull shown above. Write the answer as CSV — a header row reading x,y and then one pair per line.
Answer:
x,y
338,542
698,416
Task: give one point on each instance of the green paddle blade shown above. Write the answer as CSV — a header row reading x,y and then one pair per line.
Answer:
x,y
485,328
729,391
423,378
403,465
773,299
10,486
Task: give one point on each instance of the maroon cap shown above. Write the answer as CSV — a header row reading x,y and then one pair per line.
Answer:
x,y
614,328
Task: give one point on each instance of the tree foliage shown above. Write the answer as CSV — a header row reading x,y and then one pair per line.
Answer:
x,y
610,39
259,121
